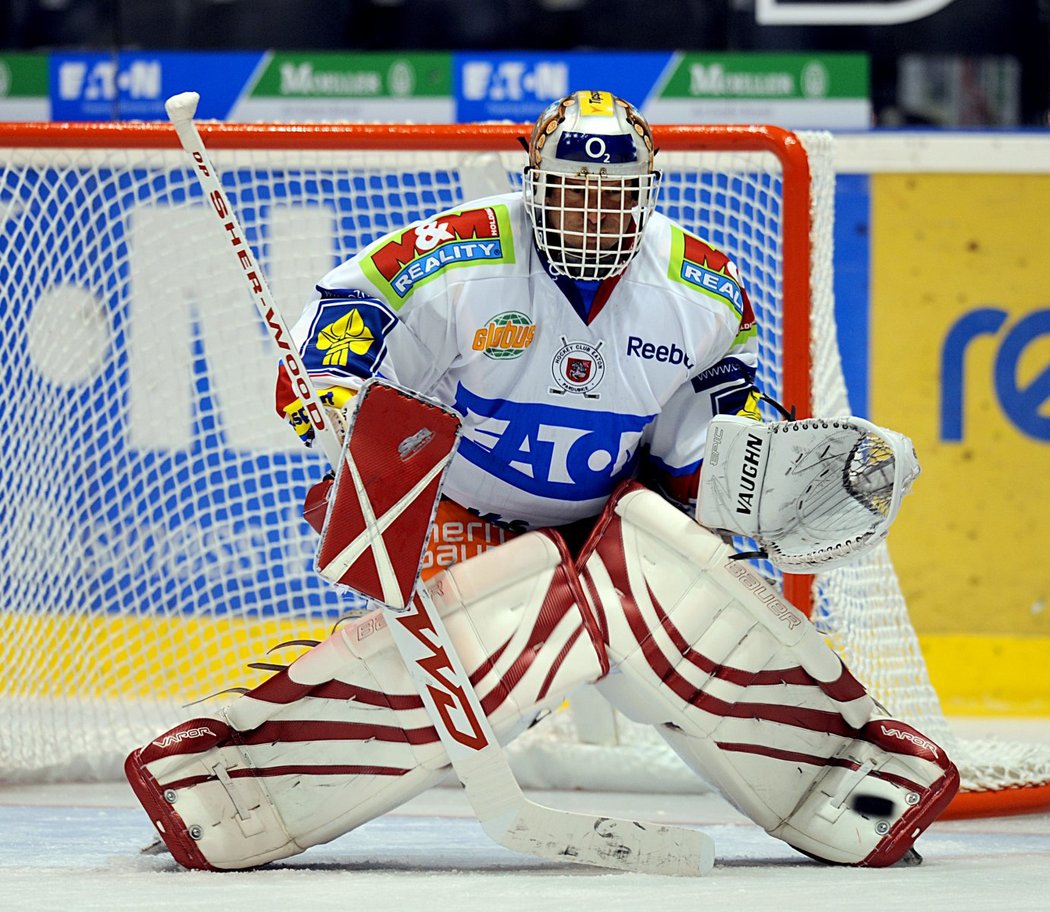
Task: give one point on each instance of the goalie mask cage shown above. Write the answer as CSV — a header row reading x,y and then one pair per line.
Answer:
x,y
154,552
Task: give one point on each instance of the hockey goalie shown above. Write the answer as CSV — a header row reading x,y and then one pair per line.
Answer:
x,y
551,438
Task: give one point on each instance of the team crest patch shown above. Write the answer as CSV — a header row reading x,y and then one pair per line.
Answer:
x,y
706,270
506,336
348,338
469,237
578,367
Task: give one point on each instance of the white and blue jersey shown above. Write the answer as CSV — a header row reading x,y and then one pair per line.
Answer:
x,y
565,388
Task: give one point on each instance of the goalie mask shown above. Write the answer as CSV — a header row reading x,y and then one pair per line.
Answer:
x,y
590,186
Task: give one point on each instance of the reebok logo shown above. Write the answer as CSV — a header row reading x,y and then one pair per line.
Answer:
x,y
648,351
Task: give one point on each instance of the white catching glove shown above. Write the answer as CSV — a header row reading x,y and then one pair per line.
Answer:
x,y
813,493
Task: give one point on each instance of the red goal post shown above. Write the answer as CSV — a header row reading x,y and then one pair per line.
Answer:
x,y
149,478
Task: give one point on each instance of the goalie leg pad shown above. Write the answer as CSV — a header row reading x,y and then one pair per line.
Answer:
x,y
745,689
341,736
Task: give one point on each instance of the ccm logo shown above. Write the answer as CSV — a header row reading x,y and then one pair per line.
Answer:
x,y
173,738
647,351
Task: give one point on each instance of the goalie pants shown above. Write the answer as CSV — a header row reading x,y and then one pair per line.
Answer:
x,y
677,634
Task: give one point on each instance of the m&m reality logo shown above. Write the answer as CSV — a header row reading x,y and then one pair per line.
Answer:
x,y
425,250
706,270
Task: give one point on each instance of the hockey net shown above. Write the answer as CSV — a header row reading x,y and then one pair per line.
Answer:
x,y
154,550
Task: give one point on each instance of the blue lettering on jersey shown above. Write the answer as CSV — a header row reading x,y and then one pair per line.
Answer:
x,y
725,372
648,351
549,450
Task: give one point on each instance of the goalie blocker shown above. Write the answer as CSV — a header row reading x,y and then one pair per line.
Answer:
x,y
677,634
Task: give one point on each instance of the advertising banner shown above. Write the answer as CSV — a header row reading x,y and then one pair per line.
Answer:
x,y
517,87
23,87
357,87
826,91
133,85
792,90
960,341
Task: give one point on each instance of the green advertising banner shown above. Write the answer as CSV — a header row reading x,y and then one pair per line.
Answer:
x,y
24,87
792,90
369,87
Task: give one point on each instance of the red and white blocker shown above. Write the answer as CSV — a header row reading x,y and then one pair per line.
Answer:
x,y
677,635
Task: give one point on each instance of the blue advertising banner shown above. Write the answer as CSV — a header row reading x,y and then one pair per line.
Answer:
x,y
133,85
518,86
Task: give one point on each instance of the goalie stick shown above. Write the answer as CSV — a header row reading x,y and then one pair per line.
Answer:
x,y
504,812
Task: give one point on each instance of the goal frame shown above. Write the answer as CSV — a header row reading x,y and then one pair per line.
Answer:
x,y
800,353
505,138
783,144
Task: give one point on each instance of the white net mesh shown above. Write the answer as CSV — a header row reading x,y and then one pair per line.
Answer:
x,y
860,608
150,498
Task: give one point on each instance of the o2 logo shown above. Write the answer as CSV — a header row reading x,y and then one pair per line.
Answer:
x,y
1023,405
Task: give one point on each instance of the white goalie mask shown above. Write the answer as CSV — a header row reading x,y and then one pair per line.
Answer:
x,y
590,186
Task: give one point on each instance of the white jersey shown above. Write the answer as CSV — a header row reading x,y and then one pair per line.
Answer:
x,y
559,403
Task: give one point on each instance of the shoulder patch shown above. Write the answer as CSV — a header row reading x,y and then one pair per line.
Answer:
x,y
705,269
348,338
403,261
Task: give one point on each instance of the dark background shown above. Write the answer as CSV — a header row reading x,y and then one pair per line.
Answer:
x,y
975,63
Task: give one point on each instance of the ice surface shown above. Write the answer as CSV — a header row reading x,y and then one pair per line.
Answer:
x,y
76,847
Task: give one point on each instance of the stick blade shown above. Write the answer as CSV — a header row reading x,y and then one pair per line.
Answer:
x,y
608,842
387,486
